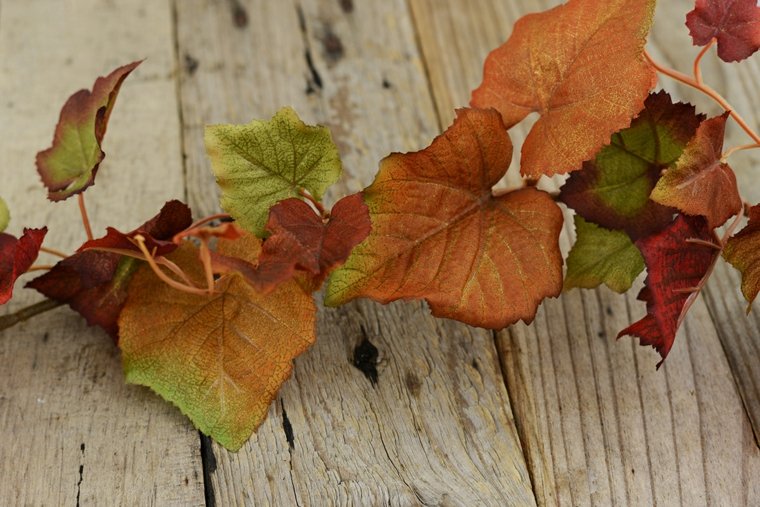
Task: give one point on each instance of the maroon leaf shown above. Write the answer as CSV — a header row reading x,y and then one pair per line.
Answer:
x,y
735,23
16,257
675,270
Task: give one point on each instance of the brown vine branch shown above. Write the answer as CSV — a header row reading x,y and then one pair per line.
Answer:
x,y
53,251
698,60
12,319
85,218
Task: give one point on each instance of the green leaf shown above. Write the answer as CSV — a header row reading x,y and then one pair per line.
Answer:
x,y
5,215
601,256
261,163
613,189
69,166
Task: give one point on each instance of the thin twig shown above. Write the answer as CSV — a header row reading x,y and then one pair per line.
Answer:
x,y
161,275
53,251
733,150
40,267
698,59
85,218
12,319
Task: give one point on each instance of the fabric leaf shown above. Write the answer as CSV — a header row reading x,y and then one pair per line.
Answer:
x,y
601,256
700,184
69,166
613,189
734,23
263,162
743,252
580,66
440,234
5,215
16,257
674,268
221,359
94,283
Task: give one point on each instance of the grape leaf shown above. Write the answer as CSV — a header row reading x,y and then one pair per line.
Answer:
x,y
581,67
734,23
5,215
613,189
440,234
743,252
263,162
16,257
601,256
221,359
674,268
69,166
158,232
94,283
700,184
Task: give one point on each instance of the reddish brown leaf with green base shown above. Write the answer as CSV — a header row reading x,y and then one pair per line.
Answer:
x,y
734,23
221,358
613,189
581,67
94,283
69,166
675,272
700,183
743,252
439,233
16,257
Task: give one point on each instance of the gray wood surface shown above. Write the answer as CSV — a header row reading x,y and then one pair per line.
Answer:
x,y
556,413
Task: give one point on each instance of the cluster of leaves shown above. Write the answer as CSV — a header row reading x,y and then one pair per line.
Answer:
x,y
211,313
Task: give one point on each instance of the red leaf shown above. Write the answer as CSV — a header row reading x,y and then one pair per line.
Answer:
x,y
16,257
743,252
674,266
158,232
735,23
94,283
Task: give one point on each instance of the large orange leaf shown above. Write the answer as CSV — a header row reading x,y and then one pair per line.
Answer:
x,y
743,252
440,234
580,66
221,359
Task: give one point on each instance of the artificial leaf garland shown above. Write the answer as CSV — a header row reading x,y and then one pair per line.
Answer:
x,y
743,252
735,24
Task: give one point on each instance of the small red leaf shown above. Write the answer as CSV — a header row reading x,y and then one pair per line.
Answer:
x,y
16,257
734,23
674,267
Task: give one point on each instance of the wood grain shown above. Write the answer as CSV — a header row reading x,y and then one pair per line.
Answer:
x,y
74,432
599,425
437,427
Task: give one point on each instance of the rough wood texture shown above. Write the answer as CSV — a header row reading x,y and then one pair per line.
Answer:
x,y
599,425
73,431
437,427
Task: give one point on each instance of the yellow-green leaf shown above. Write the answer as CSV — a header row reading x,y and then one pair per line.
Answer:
x,y
5,215
263,162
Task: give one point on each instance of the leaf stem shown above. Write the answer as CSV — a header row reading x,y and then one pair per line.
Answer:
x,y
40,267
85,219
733,150
707,90
205,255
698,60
317,205
53,251
161,275
203,221
12,319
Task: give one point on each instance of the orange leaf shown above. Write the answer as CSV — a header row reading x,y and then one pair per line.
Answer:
x,y
700,184
221,359
743,252
580,66
439,233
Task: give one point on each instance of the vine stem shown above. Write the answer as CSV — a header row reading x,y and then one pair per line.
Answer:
x,y
12,319
161,275
733,150
698,60
317,205
85,218
40,267
53,251
707,90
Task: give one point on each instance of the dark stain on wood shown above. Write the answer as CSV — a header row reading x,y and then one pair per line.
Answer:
x,y
413,383
208,459
387,84
332,45
346,6
287,427
365,358
314,82
191,64
239,14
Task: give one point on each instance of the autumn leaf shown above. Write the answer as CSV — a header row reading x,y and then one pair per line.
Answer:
x,y
580,66
263,162
440,234
601,256
5,215
743,252
675,271
174,217
221,359
94,283
734,23
700,183
613,189
69,166
16,257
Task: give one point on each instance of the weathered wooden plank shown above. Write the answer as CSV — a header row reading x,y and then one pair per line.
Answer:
x,y
598,424
437,427
73,431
